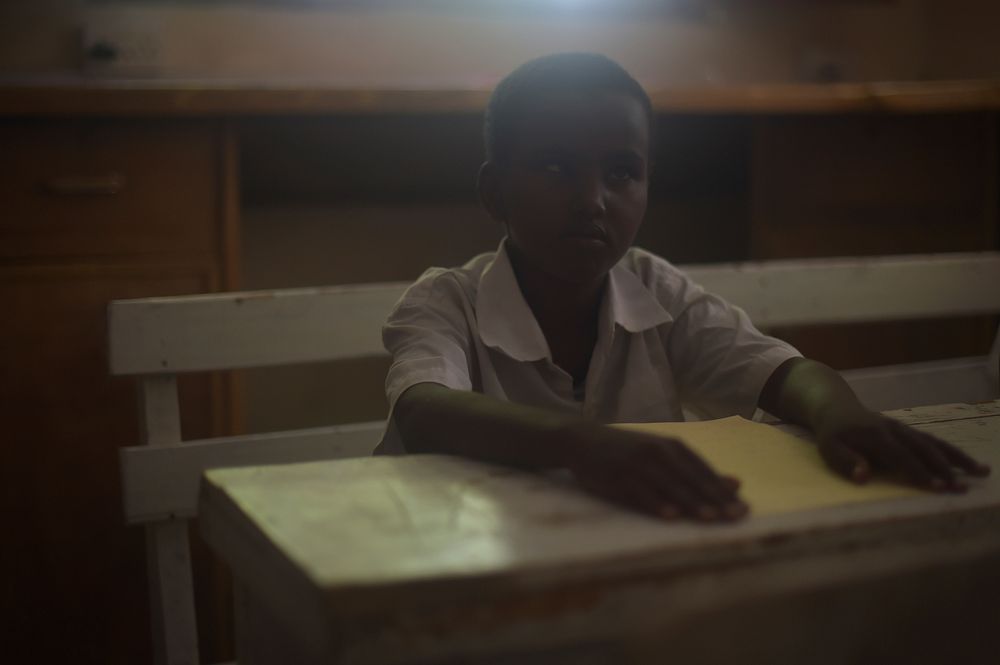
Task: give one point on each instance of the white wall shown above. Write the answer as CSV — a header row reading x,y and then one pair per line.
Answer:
x,y
734,43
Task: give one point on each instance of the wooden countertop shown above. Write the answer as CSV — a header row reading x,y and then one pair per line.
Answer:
x,y
78,96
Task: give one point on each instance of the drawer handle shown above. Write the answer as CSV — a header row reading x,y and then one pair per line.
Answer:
x,y
105,185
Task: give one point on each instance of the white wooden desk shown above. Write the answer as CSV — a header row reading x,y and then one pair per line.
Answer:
x,y
437,559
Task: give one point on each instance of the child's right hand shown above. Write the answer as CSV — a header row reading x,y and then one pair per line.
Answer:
x,y
653,474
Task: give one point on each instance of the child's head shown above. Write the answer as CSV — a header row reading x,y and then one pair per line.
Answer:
x,y
567,143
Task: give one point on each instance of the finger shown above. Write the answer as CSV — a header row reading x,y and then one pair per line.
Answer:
x,y
723,485
733,482
956,456
714,490
648,499
846,462
708,506
968,464
717,496
673,489
928,449
727,502
896,457
633,495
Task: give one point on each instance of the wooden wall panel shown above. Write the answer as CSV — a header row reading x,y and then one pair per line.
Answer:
x,y
870,185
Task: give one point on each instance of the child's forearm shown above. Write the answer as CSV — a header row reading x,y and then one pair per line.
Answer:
x,y
434,419
853,440
808,393
656,475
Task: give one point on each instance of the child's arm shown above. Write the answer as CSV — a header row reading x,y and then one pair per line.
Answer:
x,y
649,473
854,440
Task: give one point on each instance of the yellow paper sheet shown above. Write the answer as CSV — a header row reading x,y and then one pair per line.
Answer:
x,y
779,472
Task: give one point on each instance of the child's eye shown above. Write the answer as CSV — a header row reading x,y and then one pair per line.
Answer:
x,y
621,173
554,167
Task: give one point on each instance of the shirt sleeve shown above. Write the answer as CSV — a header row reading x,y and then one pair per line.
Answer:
x,y
720,360
428,336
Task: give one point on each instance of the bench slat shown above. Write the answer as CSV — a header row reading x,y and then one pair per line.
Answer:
x,y
959,380
248,329
855,290
161,482
262,328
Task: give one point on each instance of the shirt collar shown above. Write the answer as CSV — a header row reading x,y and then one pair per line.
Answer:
x,y
633,305
505,320
507,323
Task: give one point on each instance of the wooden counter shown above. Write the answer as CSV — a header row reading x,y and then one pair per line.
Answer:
x,y
226,98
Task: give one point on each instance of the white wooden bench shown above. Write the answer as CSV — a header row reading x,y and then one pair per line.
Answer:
x,y
157,338
890,288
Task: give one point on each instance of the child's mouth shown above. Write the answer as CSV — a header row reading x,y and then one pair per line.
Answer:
x,y
591,234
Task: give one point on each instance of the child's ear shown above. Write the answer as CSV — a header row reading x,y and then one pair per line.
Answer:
x,y
489,187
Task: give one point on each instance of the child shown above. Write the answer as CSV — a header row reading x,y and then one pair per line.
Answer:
x,y
517,356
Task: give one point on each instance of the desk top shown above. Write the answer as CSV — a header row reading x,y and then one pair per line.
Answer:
x,y
355,538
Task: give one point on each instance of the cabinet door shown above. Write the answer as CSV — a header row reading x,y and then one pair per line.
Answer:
x,y
871,185
79,580
87,188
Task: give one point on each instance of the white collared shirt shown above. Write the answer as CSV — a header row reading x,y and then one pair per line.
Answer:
x,y
662,342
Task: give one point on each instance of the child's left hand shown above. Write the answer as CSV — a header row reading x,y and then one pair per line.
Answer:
x,y
860,441
854,441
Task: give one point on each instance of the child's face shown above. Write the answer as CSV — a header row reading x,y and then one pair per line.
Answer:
x,y
574,192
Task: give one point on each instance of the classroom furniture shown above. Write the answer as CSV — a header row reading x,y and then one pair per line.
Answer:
x,y
903,289
430,558
159,339
136,189
94,210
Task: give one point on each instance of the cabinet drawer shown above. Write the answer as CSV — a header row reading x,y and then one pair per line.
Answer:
x,y
93,188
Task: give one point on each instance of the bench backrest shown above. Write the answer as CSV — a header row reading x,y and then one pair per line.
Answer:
x,y
158,338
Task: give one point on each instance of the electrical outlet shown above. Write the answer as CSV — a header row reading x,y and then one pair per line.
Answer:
x,y
121,48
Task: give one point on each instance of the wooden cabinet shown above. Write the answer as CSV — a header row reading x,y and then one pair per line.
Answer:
x,y
93,211
108,189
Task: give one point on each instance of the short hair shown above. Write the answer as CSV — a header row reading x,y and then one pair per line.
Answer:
x,y
568,72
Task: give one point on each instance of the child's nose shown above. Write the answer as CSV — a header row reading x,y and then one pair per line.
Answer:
x,y
590,196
